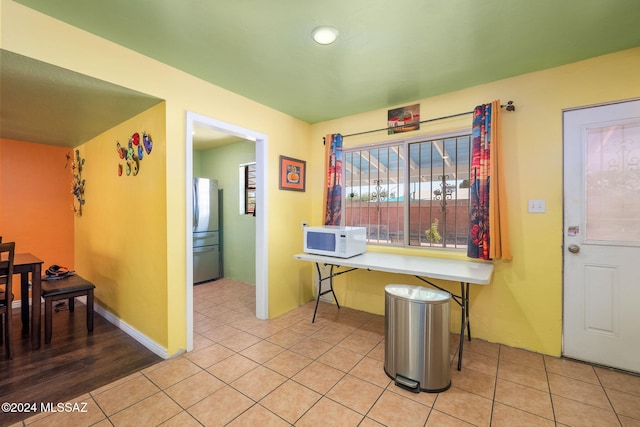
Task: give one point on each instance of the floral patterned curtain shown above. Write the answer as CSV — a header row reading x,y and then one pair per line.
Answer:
x,y
488,233
333,169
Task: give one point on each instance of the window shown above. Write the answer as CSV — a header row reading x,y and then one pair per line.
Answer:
x,y
410,193
248,189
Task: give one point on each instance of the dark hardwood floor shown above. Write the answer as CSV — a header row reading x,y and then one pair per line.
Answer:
x,y
73,363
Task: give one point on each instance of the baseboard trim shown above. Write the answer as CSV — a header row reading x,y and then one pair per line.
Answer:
x,y
150,344
133,332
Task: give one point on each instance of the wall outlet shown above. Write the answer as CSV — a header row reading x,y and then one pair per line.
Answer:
x,y
537,206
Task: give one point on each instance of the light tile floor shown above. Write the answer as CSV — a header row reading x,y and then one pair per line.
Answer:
x,y
288,371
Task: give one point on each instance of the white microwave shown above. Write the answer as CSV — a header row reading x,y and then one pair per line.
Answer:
x,y
337,241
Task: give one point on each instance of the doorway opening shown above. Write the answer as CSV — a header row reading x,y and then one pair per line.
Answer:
x,y
261,141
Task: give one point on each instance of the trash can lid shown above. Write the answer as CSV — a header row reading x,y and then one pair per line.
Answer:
x,y
417,293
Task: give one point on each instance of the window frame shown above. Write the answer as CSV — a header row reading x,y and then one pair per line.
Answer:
x,y
247,208
405,143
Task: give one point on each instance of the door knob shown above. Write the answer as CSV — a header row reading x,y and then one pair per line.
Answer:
x,y
574,249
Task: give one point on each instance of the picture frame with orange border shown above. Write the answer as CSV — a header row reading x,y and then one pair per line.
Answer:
x,y
292,174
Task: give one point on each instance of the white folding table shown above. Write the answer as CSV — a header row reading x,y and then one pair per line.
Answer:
x,y
423,268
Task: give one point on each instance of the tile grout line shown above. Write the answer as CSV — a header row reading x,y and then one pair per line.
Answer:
x,y
495,387
604,389
553,406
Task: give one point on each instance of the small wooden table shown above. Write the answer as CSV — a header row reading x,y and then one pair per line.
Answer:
x,y
25,264
67,288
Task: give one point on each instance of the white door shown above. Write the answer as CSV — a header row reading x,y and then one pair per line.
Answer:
x,y
602,235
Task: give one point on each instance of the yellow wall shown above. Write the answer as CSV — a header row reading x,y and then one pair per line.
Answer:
x,y
37,36
121,237
523,305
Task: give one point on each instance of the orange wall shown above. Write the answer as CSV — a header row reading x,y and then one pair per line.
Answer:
x,y
36,204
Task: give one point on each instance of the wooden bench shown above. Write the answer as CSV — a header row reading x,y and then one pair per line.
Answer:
x,y
68,288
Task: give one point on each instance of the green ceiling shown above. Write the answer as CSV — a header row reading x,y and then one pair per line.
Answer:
x,y
388,53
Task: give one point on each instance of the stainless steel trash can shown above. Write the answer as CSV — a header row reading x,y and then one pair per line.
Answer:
x,y
416,329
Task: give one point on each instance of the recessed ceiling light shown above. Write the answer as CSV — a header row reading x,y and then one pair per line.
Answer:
x,y
324,34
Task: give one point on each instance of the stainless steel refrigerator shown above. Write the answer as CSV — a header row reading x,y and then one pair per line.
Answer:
x,y
207,252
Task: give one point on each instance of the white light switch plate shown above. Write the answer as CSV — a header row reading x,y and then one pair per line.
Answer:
x,y
537,206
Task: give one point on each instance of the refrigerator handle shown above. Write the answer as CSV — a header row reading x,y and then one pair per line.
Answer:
x,y
196,216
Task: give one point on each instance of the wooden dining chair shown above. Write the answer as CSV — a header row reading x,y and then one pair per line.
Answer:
x,y
7,253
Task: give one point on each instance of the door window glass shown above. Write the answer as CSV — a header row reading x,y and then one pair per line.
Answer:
x,y
613,183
